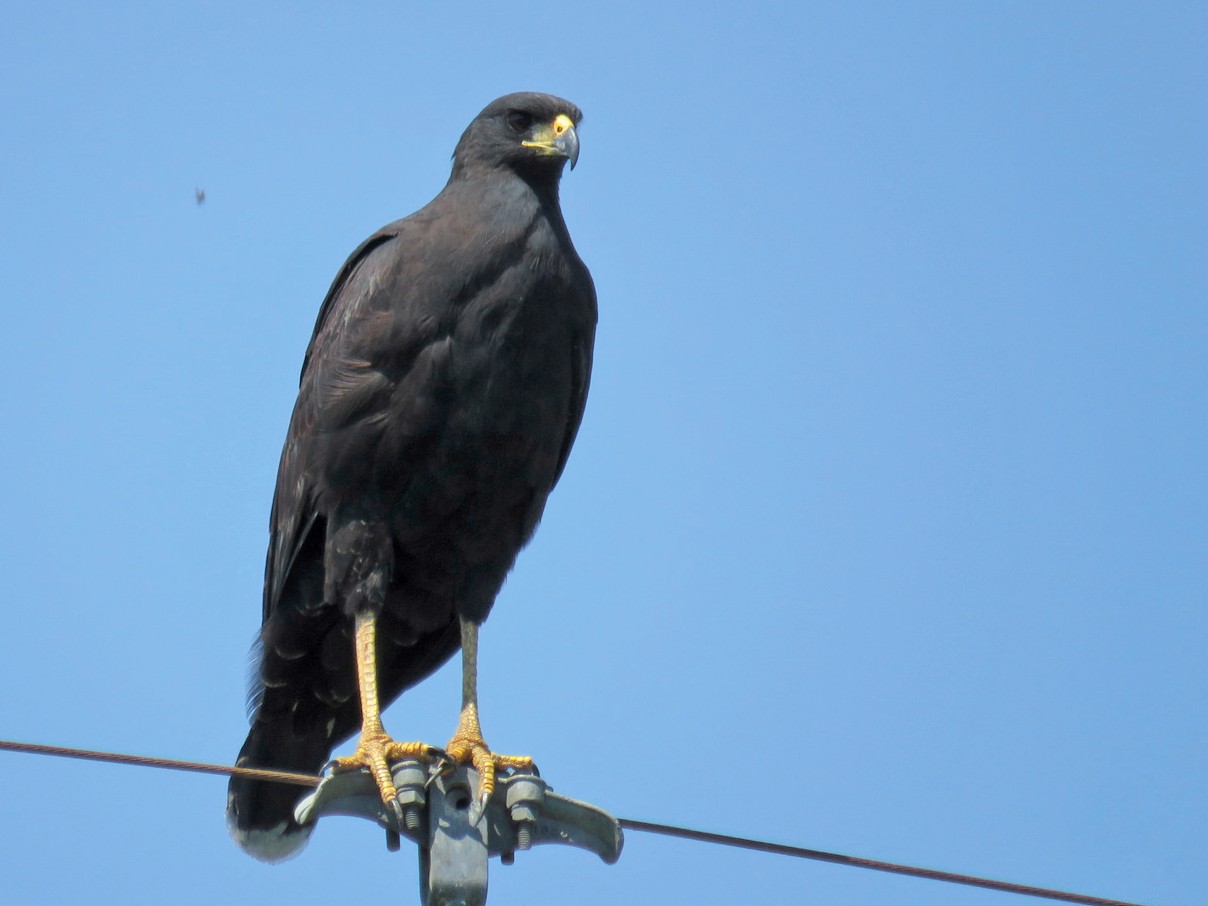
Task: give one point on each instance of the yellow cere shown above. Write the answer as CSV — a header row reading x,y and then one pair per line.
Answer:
x,y
545,134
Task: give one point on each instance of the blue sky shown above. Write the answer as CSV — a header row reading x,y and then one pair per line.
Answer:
x,y
886,532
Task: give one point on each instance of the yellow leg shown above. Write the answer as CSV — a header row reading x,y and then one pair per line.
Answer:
x,y
375,749
467,745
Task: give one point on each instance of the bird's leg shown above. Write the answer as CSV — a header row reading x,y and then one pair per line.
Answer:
x,y
375,749
467,745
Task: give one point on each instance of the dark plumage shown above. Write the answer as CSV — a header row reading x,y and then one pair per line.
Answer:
x,y
439,398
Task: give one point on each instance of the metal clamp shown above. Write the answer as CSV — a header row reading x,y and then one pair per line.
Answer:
x,y
441,814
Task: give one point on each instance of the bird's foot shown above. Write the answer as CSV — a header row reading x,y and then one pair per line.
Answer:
x,y
375,752
468,747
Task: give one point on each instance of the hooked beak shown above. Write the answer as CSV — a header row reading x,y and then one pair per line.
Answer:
x,y
558,137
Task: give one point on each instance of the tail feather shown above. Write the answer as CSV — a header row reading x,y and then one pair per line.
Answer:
x,y
260,813
305,705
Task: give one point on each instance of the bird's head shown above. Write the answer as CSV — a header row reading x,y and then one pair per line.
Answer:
x,y
531,133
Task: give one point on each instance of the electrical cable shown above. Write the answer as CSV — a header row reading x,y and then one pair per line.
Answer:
x,y
627,823
930,874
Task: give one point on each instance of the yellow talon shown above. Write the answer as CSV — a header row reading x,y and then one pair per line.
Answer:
x,y
375,749
467,745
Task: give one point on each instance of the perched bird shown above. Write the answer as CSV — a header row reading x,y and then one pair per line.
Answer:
x,y
439,398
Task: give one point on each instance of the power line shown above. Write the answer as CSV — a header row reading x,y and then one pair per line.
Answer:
x,y
930,874
172,764
627,823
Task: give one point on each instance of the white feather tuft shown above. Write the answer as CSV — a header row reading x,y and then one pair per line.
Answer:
x,y
272,845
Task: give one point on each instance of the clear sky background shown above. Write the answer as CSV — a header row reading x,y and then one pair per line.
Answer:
x,y
886,532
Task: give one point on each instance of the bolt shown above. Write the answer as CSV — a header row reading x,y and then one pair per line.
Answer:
x,y
412,819
524,835
524,797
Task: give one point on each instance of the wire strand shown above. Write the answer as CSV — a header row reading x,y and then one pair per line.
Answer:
x,y
172,764
856,862
781,849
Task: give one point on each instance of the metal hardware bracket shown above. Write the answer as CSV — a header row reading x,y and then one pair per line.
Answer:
x,y
441,814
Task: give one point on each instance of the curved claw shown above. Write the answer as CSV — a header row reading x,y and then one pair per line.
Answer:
x,y
475,752
442,764
438,756
328,768
396,809
376,753
478,809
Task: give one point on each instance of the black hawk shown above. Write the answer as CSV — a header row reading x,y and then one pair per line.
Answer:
x,y
440,395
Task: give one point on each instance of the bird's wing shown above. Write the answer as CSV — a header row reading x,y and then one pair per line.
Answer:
x,y
335,382
337,295
581,376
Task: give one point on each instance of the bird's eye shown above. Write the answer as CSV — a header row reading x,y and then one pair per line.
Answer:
x,y
519,121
